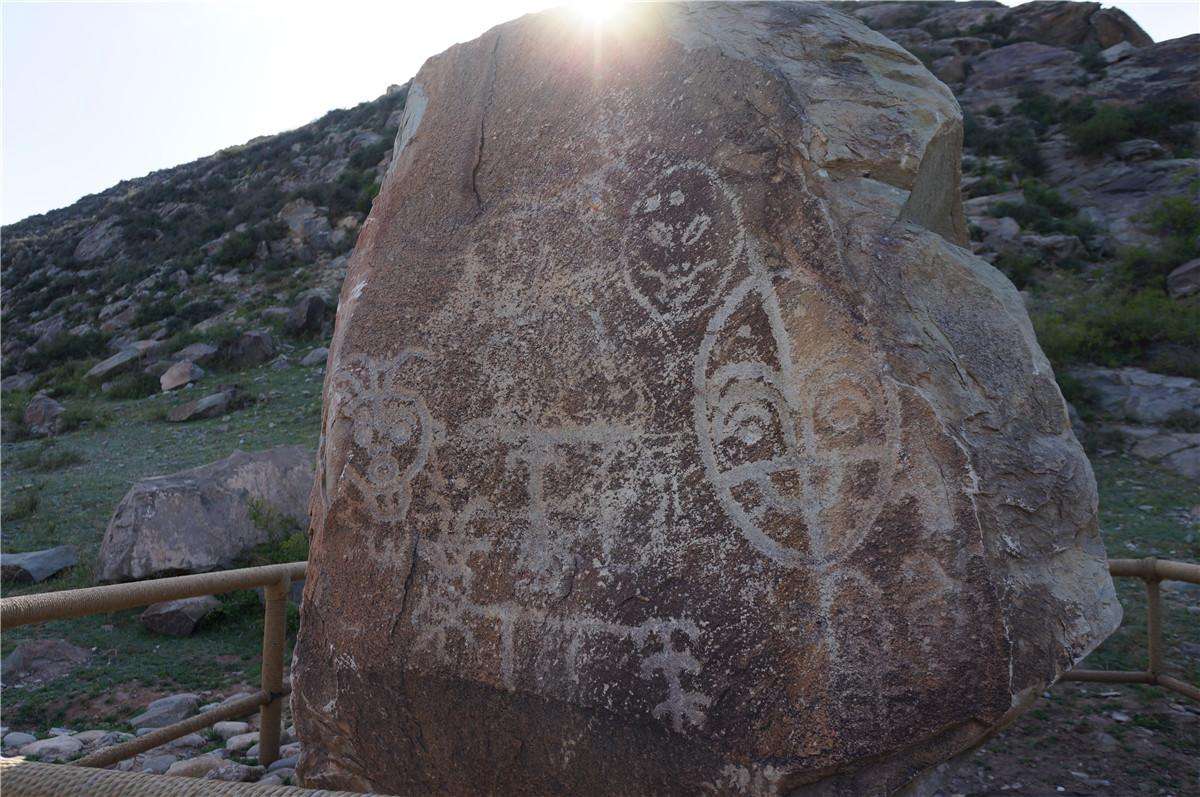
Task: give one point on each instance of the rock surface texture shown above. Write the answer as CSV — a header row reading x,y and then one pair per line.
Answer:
x,y
678,441
203,518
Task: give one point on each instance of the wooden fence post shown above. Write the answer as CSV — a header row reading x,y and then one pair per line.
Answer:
x,y
274,642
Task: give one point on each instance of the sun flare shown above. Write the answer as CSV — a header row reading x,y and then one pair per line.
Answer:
x,y
597,12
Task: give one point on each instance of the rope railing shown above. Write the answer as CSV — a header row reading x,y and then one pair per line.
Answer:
x,y
275,579
22,778
1153,572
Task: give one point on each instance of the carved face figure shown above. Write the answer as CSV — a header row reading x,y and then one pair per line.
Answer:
x,y
683,239
379,434
800,454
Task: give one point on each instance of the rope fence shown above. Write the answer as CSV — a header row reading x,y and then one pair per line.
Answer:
x,y
86,776
1153,572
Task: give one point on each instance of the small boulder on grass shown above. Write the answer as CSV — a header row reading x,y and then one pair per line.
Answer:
x,y
36,566
43,416
181,373
178,617
166,710
40,660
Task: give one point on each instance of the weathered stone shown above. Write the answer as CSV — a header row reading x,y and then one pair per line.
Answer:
x,y
249,349
181,373
1176,451
39,660
307,315
669,421
178,617
211,406
18,739
36,566
22,381
1054,248
227,730
55,748
318,356
43,416
199,353
1140,149
195,767
99,240
241,742
159,764
1141,396
125,360
166,710
1185,280
235,773
201,519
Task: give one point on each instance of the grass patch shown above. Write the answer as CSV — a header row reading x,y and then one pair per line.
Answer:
x,y
48,457
133,386
1045,211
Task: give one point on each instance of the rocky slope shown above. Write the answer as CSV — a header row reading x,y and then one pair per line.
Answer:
x,y
213,241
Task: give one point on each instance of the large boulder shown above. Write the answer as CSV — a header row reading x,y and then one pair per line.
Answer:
x,y
178,617
204,518
678,441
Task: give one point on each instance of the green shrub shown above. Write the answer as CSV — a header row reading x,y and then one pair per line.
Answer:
x,y
1045,211
154,311
1018,267
48,457
238,248
23,505
1014,140
67,347
1117,328
134,385
75,417
1177,221
1109,125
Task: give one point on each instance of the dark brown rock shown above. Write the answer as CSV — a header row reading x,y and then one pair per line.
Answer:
x,y
40,660
178,617
43,416
307,315
249,349
673,443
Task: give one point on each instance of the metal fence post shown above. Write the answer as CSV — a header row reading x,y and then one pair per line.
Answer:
x,y
274,640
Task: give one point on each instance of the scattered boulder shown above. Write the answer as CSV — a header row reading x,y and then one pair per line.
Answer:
x,y
181,373
178,617
159,764
43,416
272,314
22,381
683,467
200,519
1140,149
319,355
234,772
1141,396
166,710
99,239
123,361
36,566
195,767
249,349
1054,248
55,748
39,660
1185,280
17,739
199,353
229,729
210,406
307,315
242,742
1176,451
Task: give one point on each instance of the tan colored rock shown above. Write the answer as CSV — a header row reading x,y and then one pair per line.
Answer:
x,y
181,373
195,767
673,441
204,518
178,617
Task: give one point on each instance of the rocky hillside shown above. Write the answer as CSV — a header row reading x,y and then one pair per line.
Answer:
x,y
210,243
1081,183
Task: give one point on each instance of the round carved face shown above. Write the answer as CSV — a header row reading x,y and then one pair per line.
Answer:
x,y
800,455
379,436
683,239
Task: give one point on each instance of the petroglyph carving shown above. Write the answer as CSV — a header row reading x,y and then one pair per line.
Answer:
x,y
382,429
540,540
682,244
